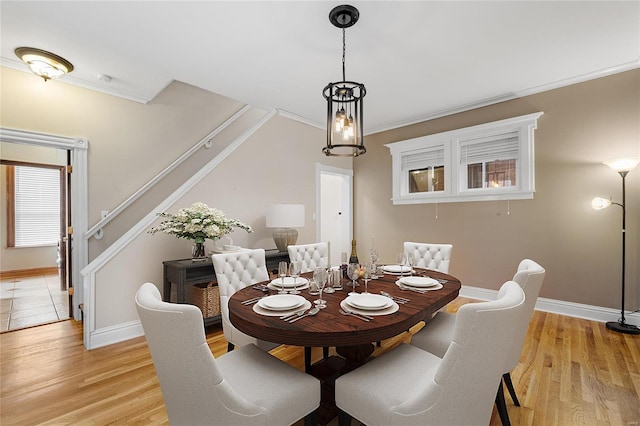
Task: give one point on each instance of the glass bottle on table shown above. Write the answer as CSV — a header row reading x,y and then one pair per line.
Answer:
x,y
343,264
354,254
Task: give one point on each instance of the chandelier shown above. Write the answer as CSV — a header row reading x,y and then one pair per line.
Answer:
x,y
344,99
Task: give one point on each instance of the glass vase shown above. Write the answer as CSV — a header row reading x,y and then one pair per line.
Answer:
x,y
198,252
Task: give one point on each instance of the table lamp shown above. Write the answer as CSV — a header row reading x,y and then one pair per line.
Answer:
x,y
285,217
623,166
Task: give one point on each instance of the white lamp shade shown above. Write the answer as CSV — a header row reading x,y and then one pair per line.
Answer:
x,y
623,164
285,216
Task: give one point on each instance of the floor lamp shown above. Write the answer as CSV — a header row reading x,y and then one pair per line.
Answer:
x,y
623,166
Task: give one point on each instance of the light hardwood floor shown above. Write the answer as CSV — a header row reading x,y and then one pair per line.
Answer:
x,y
572,372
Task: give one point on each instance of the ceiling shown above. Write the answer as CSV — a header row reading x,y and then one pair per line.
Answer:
x,y
417,59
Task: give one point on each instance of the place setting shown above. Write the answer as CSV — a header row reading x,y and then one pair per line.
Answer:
x,y
397,269
418,284
281,305
368,305
403,266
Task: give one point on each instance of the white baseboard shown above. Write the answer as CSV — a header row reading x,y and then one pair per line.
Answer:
x,y
115,334
571,309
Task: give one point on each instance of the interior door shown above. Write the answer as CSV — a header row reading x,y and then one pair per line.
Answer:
x,y
335,210
66,232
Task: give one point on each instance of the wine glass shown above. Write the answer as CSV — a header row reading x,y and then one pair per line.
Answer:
x,y
367,275
282,273
374,258
331,279
294,271
322,281
353,270
411,261
401,258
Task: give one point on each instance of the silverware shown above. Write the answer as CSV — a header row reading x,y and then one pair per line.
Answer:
x,y
311,312
293,314
252,300
404,287
396,299
363,317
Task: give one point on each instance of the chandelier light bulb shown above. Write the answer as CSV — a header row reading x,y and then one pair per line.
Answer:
x,y
341,116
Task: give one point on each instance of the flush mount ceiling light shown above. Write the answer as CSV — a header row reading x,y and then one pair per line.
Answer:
x,y
44,64
344,99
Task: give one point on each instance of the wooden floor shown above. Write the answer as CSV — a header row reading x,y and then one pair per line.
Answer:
x,y
572,372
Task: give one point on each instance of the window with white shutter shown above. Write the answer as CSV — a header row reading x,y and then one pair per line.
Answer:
x,y
36,206
492,161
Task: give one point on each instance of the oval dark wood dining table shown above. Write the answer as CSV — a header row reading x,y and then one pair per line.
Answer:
x,y
330,328
351,336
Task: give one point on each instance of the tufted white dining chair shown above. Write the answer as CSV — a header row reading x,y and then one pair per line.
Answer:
x,y
235,388
430,256
313,256
234,271
410,386
437,334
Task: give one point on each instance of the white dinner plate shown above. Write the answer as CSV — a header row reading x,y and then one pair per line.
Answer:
x,y
281,302
368,302
432,288
396,269
269,313
420,282
386,311
272,286
289,283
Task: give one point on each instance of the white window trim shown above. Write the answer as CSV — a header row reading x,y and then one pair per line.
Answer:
x,y
453,186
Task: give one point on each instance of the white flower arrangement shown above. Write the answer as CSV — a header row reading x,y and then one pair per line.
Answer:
x,y
197,223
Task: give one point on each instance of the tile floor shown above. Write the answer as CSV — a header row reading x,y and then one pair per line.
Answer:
x,y
25,302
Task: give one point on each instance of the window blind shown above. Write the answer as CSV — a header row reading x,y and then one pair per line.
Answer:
x,y
423,159
37,206
484,150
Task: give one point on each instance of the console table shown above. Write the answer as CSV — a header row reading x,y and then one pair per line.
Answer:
x,y
187,273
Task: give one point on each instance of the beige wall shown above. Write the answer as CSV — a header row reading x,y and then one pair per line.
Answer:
x,y
129,143
582,125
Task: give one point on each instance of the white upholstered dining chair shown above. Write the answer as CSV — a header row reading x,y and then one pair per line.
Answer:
x,y
312,256
247,386
410,386
437,334
234,271
430,256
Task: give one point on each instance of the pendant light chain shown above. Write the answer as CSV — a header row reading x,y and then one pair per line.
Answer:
x,y
344,53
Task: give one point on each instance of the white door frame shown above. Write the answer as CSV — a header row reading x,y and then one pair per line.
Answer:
x,y
79,198
347,202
